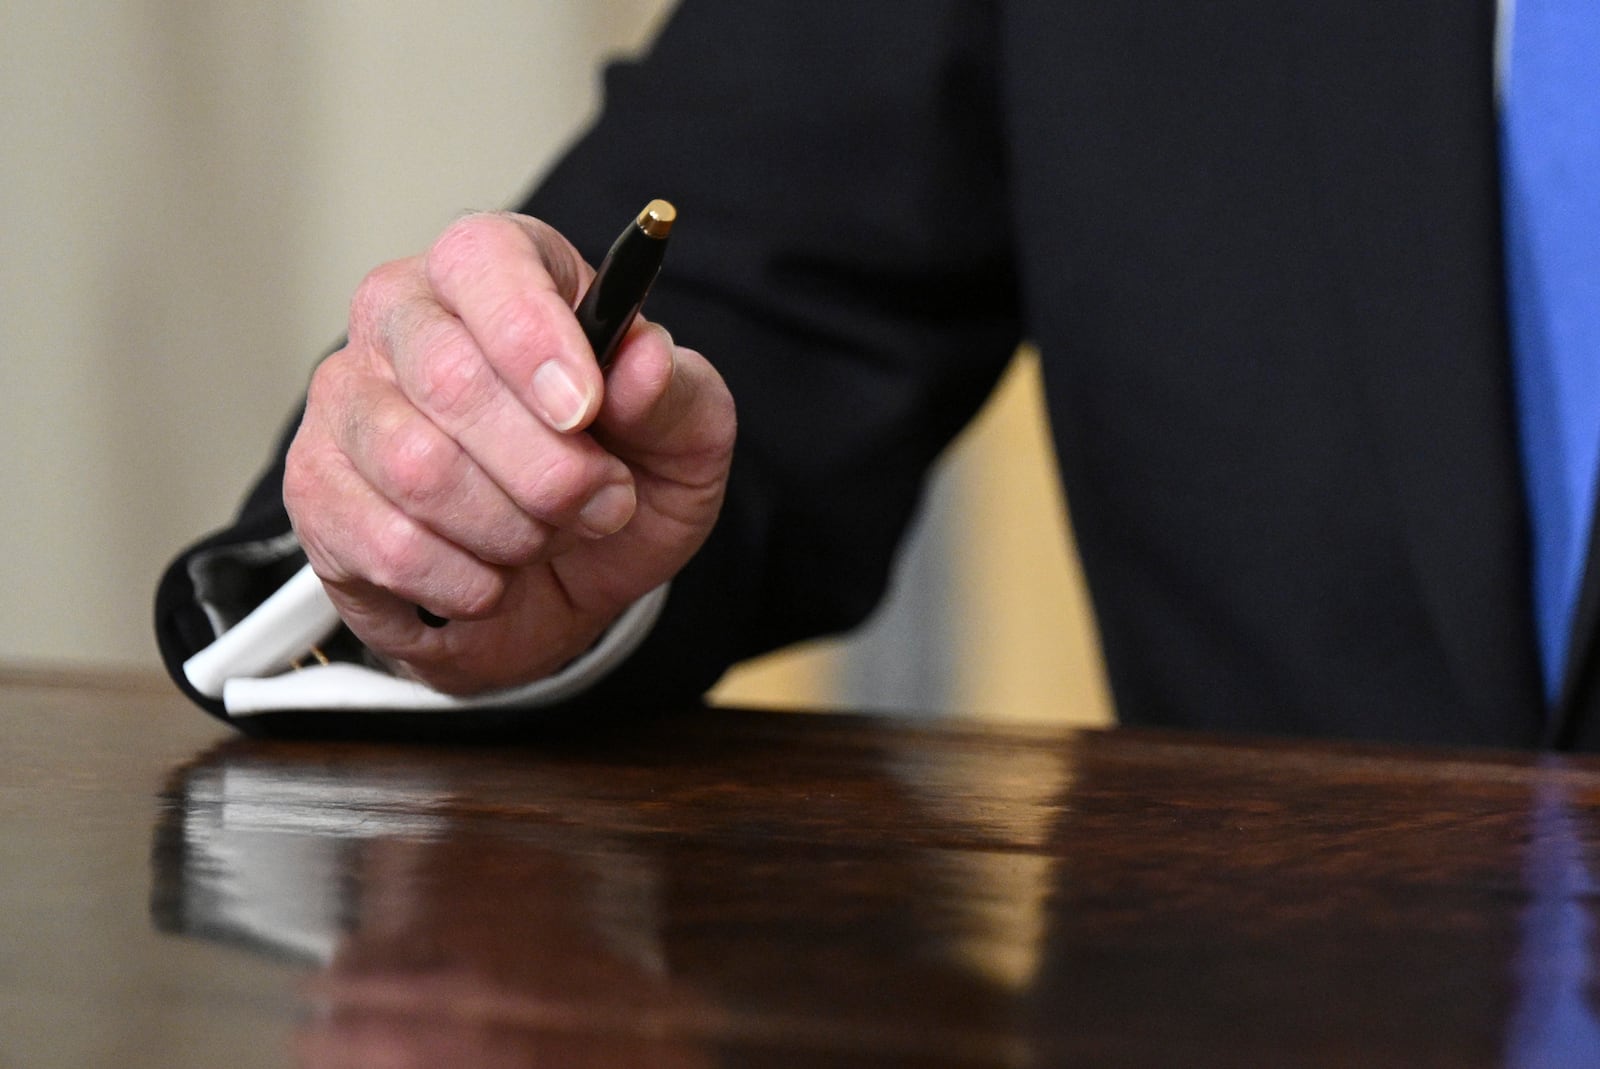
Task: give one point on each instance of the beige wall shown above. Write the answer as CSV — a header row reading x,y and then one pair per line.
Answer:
x,y
189,192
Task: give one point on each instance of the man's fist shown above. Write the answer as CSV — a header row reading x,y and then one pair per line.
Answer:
x,y
463,453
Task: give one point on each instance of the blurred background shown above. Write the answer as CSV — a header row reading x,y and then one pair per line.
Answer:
x,y
188,195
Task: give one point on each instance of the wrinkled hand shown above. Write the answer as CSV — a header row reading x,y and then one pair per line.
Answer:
x,y
463,453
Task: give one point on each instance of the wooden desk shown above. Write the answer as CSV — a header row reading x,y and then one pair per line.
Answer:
x,y
744,889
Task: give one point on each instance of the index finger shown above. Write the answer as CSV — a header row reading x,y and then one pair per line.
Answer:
x,y
512,281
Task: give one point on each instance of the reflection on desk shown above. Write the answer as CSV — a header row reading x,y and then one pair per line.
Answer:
x,y
574,904
735,888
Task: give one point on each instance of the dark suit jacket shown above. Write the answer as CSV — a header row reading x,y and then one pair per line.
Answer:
x,y
1257,243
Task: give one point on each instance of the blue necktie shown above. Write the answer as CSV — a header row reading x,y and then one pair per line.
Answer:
x,y
1550,145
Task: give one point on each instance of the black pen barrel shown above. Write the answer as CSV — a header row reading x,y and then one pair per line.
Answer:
x,y
623,280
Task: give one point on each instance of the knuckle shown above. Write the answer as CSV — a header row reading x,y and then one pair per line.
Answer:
x,y
553,488
451,379
524,321
522,324
518,547
463,246
327,385
395,555
560,260
531,327
376,298
526,330
400,561
417,465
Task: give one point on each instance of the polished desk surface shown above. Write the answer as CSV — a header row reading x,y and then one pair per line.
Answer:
x,y
734,888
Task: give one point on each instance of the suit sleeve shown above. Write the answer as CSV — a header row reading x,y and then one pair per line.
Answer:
x,y
843,257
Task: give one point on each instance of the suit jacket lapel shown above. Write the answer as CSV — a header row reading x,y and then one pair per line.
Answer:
x,y
1404,135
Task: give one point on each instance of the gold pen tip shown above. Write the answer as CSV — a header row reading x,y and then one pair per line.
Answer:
x,y
657,218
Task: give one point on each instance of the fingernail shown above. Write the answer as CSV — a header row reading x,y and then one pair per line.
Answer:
x,y
609,510
564,402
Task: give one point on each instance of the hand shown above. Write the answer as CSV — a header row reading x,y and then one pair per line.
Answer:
x,y
463,453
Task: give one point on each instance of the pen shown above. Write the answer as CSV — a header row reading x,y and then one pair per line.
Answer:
x,y
623,280
614,298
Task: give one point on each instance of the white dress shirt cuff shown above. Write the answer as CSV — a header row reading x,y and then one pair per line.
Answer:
x,y
251,665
